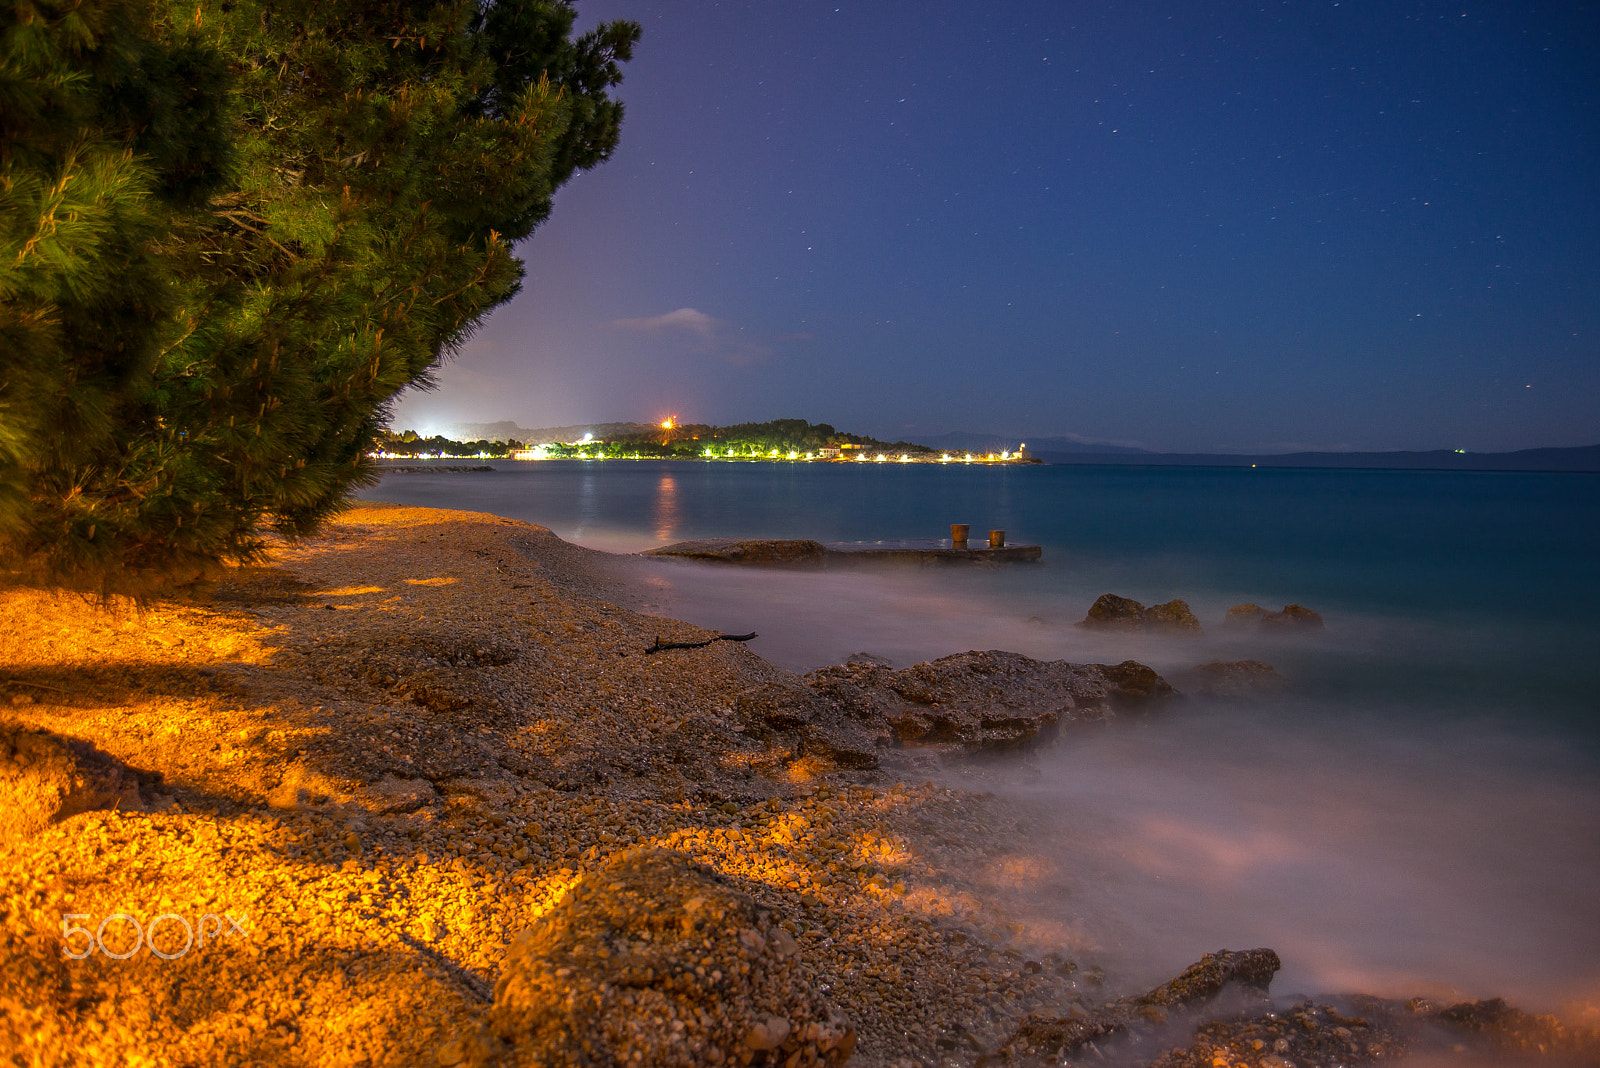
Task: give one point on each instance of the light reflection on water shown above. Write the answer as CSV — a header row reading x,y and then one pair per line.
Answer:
x,y
665,513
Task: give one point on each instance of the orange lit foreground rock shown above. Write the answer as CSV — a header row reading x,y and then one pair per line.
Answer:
x,y
656,960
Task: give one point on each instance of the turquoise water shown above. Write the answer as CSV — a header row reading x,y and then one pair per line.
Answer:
x,y
1418,811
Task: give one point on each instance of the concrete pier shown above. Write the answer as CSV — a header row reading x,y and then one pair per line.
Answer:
x,y
796,552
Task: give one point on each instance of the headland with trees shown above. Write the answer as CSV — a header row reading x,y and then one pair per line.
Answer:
x,y
793,440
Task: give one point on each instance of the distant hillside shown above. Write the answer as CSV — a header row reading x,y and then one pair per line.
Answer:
x,y
1583,458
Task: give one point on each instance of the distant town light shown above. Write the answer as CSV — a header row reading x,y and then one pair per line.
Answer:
x,y
666,424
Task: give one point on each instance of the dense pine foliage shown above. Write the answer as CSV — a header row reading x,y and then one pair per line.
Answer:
x,y
231,231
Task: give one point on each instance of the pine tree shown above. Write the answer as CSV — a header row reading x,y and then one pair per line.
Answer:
x,y
231,232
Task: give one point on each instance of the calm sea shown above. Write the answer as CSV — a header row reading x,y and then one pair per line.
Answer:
x,y
1417,812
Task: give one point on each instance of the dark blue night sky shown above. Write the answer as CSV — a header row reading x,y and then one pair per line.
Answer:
x,y
1189,226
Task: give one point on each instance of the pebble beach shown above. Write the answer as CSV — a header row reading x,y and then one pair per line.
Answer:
x,y
397,745
427,789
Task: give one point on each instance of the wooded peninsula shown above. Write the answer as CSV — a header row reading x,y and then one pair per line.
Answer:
x,y
777,439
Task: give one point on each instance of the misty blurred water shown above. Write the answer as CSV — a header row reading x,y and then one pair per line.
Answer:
x,y
1417,812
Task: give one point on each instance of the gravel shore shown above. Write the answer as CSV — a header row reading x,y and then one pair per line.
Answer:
x,y
375,761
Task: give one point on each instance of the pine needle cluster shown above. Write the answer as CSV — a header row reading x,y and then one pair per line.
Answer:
x,y
231,231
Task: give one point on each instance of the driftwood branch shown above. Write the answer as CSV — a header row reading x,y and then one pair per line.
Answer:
x,y
660,645
55,689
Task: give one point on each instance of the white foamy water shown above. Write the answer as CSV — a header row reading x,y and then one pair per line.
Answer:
x,y
1418,812
1415,845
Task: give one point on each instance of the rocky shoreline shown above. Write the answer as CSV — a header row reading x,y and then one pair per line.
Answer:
x,y
441,807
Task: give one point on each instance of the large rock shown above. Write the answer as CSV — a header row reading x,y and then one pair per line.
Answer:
x,y
1113,612
45,778
655,960
1110,612
974,700
747,551
982,700
1174,615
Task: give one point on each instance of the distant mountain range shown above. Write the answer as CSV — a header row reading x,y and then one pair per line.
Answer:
x,y
1583,458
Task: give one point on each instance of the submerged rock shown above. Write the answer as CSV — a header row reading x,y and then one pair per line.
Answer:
x,y
1244,615
1112,612
1232,678
1293,615
1133,682
1358,1029
1048,1039
655,960
1253,615
1218,1013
